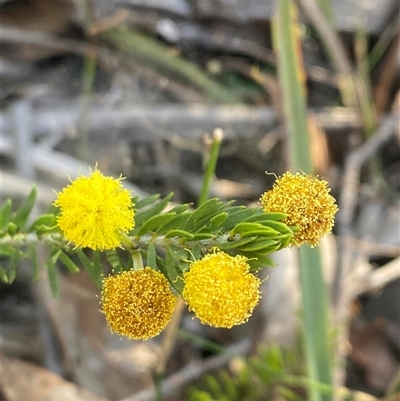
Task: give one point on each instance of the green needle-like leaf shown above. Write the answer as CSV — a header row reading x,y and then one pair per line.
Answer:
x,y
33,257
254,229
12,269
178,209
22,215
46,220
148,200
151,256
114,261
235,244
6,250
97,269
261,217
176,223
217,221
240,214
87,263
203,214
52,271
259,245
153,223
3,275
5,213
69,264
172,271
278,226
141,217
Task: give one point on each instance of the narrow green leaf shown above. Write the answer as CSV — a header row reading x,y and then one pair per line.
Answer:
x,y
71,266
266,216
6,250
172,271
278,226
97,269
52,275
22,215
261,260
240,215
178,209
245,226
262,232
285,240
255,229
43,229
114,261
203,229
129,263
259,245
3,275
13,264
155,222
170,264
211,158
33,257
162,266
217,220
146,201
184,266
141,217
5,213
135,200
207,209
259,265
206,212
270,249
55,254
87,263
176,223
179,252
196,251
151,256
48,220
180,234
235,244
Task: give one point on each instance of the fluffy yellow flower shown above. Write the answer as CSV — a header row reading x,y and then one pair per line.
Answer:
x,y
137,303
95,210
307,203
220,290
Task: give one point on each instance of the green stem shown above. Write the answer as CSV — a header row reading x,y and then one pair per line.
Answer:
x,y
212,158
137,260
22,240
291,76
315,319
314,296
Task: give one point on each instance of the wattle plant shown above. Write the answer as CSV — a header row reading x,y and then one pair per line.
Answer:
x,y
211,253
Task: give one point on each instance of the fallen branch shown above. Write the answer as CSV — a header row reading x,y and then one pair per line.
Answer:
x,y
378,278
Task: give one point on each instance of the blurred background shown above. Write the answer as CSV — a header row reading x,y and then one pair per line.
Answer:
x,y
136,86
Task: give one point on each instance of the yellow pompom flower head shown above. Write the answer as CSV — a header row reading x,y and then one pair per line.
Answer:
x,y
95,211
137,303
307,203
220,290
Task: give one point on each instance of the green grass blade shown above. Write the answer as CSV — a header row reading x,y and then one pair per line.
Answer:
x,y
314,297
